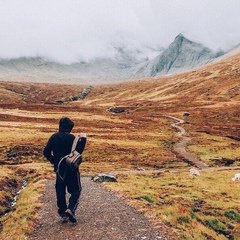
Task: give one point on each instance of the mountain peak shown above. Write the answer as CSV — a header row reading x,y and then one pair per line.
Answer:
x,y
179,36
181,55
180,39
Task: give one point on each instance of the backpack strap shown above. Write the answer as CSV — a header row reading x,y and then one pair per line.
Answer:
x,y
64,174
75,143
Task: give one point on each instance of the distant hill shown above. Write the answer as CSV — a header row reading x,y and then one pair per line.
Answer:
x,y
181,55
99,70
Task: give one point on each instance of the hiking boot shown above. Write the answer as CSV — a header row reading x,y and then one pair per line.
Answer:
x,y
63,215
71,216
64,218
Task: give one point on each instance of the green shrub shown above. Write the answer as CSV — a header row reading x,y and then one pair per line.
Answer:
x,y
216,225
232,215
145,198
192,214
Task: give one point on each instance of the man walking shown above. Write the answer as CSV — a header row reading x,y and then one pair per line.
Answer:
x,y
59,145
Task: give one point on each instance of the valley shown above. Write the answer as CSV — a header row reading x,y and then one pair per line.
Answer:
x,y
130,134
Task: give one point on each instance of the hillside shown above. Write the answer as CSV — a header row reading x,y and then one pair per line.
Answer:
x,y
210,94
206,90
130,133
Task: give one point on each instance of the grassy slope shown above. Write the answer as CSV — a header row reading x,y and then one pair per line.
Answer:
x,y
193,207
140,137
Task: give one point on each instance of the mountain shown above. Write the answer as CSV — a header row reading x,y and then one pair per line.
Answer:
x,y
99,70
181,55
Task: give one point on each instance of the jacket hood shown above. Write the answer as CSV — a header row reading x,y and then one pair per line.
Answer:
x,y
65,125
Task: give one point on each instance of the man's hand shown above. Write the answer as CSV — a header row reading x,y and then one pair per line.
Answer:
x,y
82,135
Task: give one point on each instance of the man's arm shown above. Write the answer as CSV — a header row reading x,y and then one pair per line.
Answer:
x,y
47,152
81,143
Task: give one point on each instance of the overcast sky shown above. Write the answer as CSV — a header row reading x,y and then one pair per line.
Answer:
x,y
72,30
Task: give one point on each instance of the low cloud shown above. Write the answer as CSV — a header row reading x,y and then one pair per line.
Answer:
x,y
77,30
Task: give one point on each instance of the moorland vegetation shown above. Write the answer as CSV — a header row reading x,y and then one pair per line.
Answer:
x,y
130,135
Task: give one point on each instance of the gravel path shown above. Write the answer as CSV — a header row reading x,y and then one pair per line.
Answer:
x,y
100,215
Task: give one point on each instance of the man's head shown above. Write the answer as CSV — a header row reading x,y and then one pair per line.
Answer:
x,y
65,125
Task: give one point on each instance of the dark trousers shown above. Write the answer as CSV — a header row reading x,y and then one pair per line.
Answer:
x,y
72,183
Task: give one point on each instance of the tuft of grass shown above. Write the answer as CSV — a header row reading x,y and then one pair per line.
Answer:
x,y
149,200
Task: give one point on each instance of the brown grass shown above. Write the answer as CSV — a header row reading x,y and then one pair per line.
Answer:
x,y
188,205
140,137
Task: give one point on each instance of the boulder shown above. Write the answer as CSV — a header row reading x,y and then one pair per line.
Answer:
x,y
114,109
104,178
186,114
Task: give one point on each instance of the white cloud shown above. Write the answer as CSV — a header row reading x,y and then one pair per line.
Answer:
x,y
72,30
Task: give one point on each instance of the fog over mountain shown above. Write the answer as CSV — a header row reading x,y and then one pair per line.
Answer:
x,y
98,39
69,31
181,55
121,66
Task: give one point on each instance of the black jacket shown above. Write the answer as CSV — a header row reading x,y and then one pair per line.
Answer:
x,y
60,143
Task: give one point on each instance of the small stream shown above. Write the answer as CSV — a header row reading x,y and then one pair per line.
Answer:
x,y
14,201
24,184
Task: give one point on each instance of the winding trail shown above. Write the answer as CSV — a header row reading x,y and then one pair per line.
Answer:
x,y
180,146
181,152
189,157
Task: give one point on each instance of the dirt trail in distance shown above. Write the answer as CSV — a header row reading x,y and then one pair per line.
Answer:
x,y
181,151
180,146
